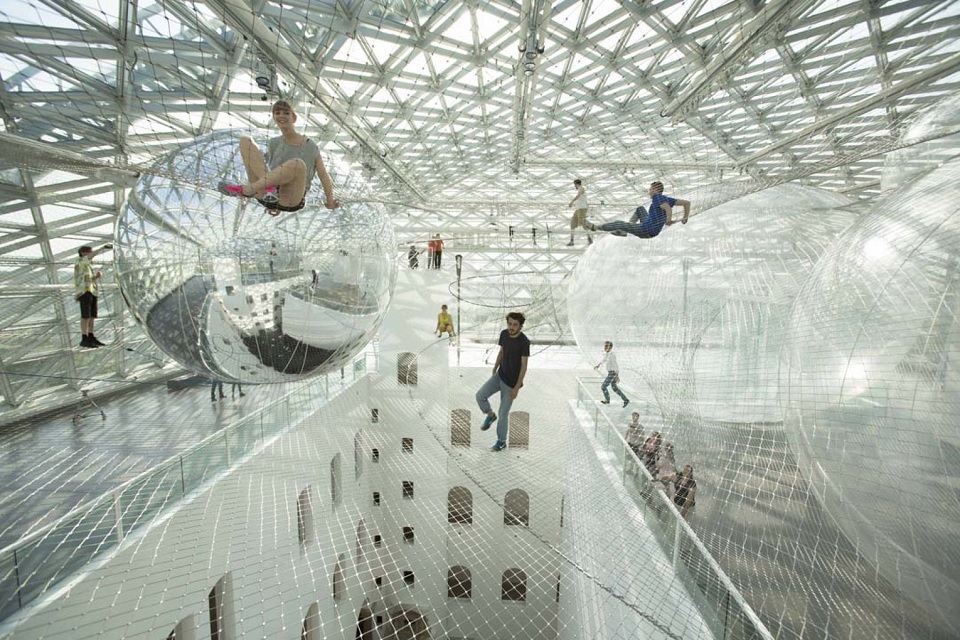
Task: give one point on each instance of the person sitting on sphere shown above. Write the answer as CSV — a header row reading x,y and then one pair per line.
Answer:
x,y
444,323
644,224
281,179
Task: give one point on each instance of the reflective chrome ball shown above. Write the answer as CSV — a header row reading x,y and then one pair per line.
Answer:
x,y
237,295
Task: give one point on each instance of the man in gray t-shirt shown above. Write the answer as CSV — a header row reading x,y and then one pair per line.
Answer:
x,y
280,180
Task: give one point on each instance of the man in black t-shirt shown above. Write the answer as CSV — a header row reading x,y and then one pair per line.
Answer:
x,y
508,374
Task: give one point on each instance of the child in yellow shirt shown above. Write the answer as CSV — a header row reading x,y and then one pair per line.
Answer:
x,y
444,323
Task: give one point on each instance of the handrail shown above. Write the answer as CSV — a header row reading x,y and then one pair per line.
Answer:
x,y
18,552
680,521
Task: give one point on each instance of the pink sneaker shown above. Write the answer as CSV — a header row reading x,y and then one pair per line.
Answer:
x,y
230,189
271,196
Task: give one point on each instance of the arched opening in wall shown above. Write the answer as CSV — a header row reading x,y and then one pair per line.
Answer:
x,y
459,582
460,428
339,584
375,455
357,456
513,585
363,539
186,629
516,508
336,488
459,506
220,609
407,368
311,624
305,529
365,623
519,430
406,623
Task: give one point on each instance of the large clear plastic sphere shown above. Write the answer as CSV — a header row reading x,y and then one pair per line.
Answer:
x,y
931,139
236,295
697,313
871,387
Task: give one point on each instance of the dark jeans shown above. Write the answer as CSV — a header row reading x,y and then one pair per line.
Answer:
x,y
609,381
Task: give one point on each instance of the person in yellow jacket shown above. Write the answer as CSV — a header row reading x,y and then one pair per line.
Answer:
x,y
444,323
86,283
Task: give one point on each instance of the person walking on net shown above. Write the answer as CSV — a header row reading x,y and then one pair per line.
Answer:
x,y
613,374
507,378
281,179
644,223
579,204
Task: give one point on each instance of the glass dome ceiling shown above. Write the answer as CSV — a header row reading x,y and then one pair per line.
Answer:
x,y
465,112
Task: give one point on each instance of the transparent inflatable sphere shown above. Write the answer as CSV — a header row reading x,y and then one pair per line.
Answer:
x,y
871,387
931,140
236,295
697,313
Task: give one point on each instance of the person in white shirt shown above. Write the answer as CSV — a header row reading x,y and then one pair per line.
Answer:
x,y
613,375
579,204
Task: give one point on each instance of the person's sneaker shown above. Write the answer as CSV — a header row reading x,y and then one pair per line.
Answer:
x,y
271,197
229,188
242,394
626,402
569,244
86,344
589,241
604,402
96,342
499,445
489,420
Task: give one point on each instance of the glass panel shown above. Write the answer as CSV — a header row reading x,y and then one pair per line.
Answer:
x,y
145,498
9,599
243,437
203,463
65,549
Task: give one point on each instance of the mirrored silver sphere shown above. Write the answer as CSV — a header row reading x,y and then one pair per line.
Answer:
x,y
237,295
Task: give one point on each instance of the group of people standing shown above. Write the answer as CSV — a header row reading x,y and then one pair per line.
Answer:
x,y
658,459
217,385
434,254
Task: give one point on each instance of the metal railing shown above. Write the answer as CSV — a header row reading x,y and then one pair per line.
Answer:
x,y
38,561
728,614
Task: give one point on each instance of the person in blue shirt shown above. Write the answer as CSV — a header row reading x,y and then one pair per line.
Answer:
x,y
644,223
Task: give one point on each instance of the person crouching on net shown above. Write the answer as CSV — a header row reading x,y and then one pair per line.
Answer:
x,y
280,180
644,224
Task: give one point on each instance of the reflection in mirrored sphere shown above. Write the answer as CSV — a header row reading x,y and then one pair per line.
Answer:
x,y
871,388
236,295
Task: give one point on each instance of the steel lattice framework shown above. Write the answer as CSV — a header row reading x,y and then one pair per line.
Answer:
x,y
474,114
